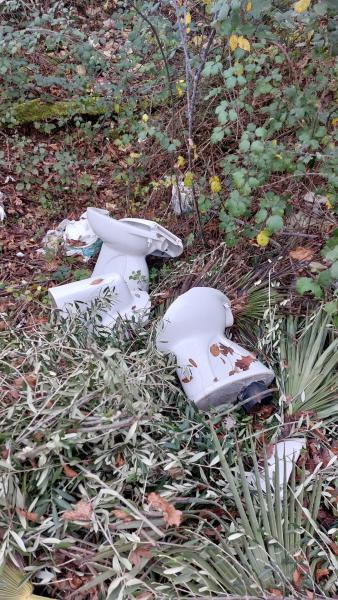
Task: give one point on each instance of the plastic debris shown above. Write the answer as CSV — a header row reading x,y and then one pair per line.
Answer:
x,y
76,237
288,451
181,198
2,210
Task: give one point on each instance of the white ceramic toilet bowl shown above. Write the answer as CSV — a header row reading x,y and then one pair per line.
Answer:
x,y
212,369
126,243
124,303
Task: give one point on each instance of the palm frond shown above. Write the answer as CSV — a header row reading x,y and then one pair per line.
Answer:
x,y
14,585
308,363
261,548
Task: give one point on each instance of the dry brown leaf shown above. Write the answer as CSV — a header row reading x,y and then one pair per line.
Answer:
x,y
192,362
75,582
30,516
297,578
96,281
186,379
119,461
69,472
52,265
176,473
244,362
301,254
225,350
82,512
321,574
214,349
276,593
122,515
140,552
29,378
171,515
334,548
233,372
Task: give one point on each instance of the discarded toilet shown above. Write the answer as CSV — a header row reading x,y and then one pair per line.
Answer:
x,y
127,242
123,303
121,267
212,369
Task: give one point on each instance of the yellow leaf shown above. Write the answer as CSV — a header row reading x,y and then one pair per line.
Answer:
x,y
215,184
243,43
180,87
329,204
180,161
334,122
188,179
301,6
233,42
197,40
145,118
187,19
263,238
248,6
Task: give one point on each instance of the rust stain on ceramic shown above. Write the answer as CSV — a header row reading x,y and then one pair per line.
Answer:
x,y
96,281
214,349
192,362
225,350
245,362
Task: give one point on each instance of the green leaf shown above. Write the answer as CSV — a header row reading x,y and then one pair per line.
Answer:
x,y
230,82
217,135
238,178
261,215
325,278
334,270
212,68
331,307
257,146
306,284
244,145
260,132
274,223
233,115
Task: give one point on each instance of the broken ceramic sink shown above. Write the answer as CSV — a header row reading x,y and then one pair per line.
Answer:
x,y
121,266
122,303
126,243
212,369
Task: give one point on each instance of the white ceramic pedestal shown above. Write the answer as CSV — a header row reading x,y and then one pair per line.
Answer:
x,y
124,303
212,369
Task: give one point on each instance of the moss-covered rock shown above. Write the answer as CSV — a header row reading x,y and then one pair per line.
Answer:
x,y
37,110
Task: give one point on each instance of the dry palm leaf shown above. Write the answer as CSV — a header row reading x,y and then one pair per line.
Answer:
x,y
14,586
